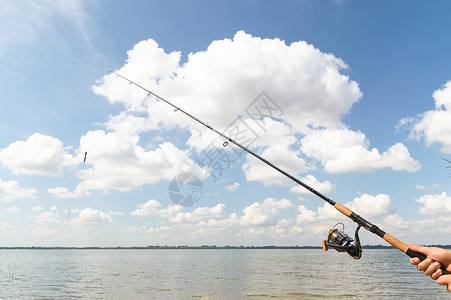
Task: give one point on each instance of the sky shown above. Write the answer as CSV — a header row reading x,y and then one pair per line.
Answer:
x,y
351,97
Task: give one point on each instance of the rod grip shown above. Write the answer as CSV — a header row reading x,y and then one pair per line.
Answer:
x,y
343,209
404,248
422,257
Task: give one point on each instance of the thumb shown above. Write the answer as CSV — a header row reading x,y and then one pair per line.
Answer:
x,y
445,280
421,249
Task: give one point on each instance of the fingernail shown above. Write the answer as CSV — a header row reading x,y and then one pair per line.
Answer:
x,y
429,260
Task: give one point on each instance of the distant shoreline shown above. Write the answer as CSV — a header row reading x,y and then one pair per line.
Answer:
x,y
194,247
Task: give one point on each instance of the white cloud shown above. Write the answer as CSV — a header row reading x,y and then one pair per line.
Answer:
x,y
423,187
160,229
37,208
14,209
372,206
421,229
245,131
343,150
435,204
132,229
306,215
233,187
324,187
90,215
199,214
47,218
119,162
302,80
10,190
174,214
265,213
279,155
62,192
146,63
126,123
434,125
213,221
367,206
226,222
38,155
150,208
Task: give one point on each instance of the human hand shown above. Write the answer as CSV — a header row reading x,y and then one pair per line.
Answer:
x,y
436,258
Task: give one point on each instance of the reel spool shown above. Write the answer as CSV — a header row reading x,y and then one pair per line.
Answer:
x,y
342,242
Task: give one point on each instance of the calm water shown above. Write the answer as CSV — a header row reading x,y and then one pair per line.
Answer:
x,y
211,274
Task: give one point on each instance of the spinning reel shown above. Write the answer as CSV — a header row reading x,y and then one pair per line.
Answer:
x,y
342,242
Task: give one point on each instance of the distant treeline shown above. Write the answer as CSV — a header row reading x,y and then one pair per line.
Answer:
x,y
197,247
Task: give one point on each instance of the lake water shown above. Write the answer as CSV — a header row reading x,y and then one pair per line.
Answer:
x,y
212,274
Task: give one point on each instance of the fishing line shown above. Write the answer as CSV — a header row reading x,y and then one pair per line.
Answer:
x,y
336,239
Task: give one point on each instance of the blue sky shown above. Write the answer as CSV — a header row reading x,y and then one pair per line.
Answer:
x,y
363,97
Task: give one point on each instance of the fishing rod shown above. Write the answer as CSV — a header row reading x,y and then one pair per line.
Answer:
x,y
336,239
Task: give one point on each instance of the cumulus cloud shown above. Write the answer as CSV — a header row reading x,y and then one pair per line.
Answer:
x,y
150,208
202,220
38,155
233,187
117,161
423,187
420,228
62,192
282,157
306,215
50,217
344,150
89,216
435,204
199,214
37,208
368,206
14,209
307,86
433,125
264,213
305,83
324,187
174,214
372,206
10,191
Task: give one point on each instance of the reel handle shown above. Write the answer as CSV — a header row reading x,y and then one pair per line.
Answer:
x,y
422,257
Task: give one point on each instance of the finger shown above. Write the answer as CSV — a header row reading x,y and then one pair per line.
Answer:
x,y
445,280
437,274
432,268
415,261
422,266
421,249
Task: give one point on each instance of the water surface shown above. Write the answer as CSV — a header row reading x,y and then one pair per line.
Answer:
x,y
211,274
